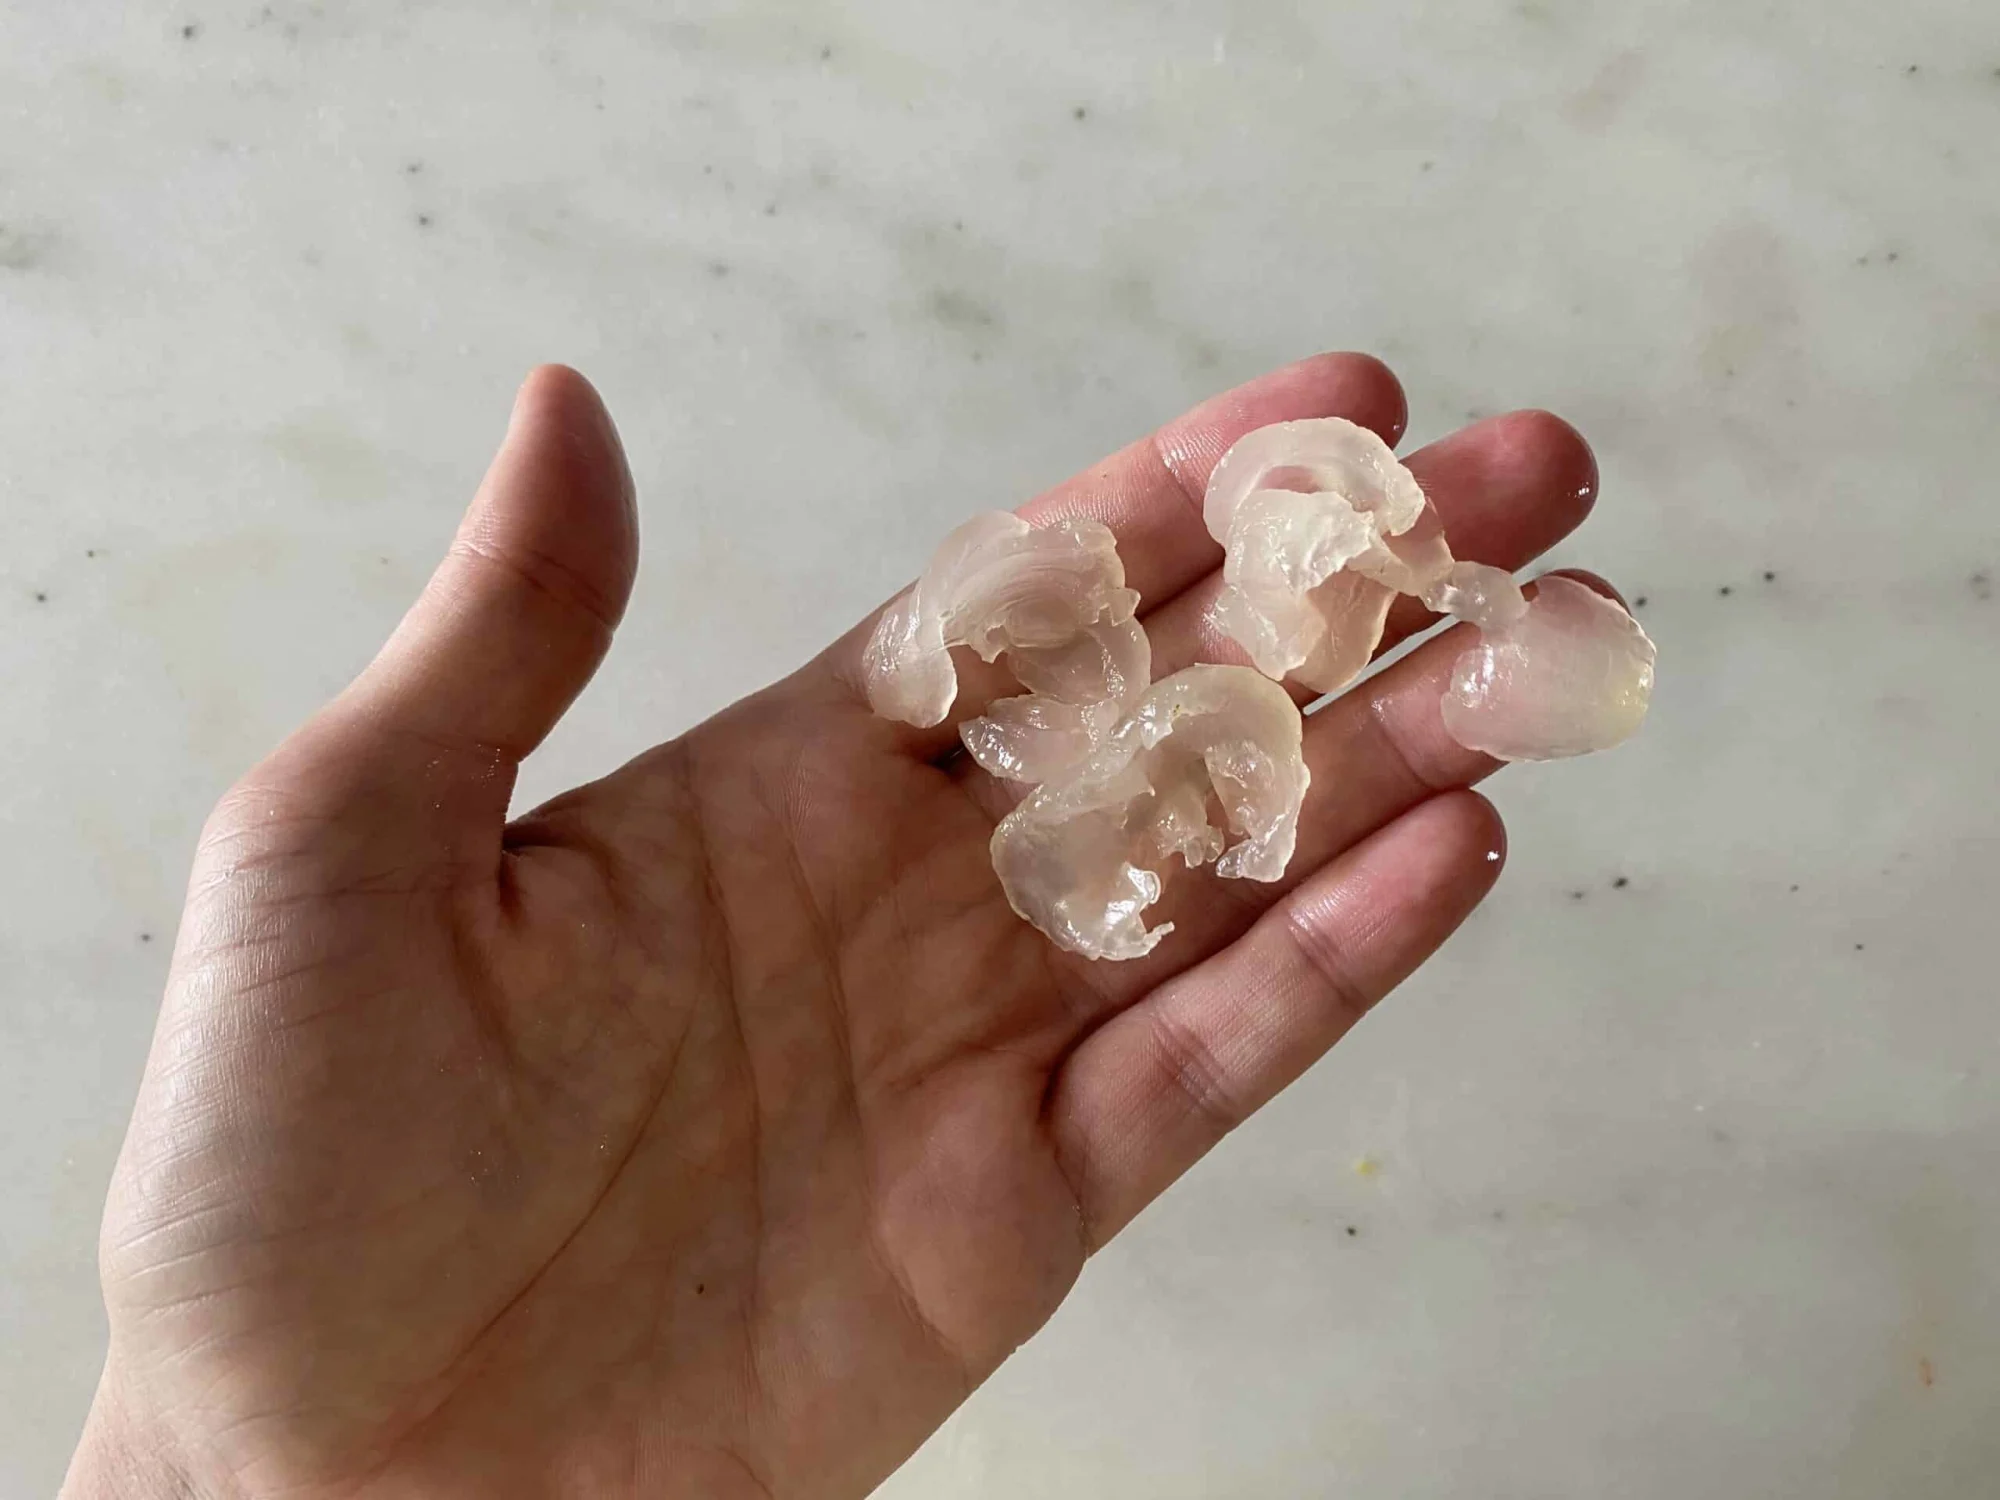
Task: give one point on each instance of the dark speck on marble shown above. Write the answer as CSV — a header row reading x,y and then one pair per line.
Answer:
x,y
1982,585
40,597
1427,166
1352,1232
1860,947
1639,602
145,937
718,269
21,249
423,221
1081,112
1725,591
1910,71
1577,895
413,167
190,31
1620,883
1893,256
962,311
826,54
1770,575
770,210
1795,890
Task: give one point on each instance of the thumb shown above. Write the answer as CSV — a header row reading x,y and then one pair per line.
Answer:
x,y
519,613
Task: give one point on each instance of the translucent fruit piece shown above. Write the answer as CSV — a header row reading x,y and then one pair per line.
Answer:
x,y
1482,596
1571,674
1329,455
1053,600
1077,693
1085,855
1323,527
1296,506
1413,561
1352,611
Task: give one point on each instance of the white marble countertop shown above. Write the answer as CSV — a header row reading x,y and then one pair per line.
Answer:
x,y
1689,1145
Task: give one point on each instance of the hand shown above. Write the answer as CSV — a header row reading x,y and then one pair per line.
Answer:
x,y
715,1129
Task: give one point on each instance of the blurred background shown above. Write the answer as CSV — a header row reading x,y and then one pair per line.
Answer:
x,y
1677,1174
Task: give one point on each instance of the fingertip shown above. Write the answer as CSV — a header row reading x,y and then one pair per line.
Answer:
x,y
558,400
1509,487
1361,388
559,497
1421,874
1446,854
549,391
1544,444
1459,830
555,382
1487,830
1594,582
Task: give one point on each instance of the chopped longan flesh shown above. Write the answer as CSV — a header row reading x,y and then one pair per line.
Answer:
x,y
1322,528
1210,767
1053,601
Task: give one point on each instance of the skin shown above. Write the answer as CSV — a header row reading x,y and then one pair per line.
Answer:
x,y
715,1129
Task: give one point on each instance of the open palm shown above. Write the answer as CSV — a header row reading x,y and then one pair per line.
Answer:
x,y
715,1129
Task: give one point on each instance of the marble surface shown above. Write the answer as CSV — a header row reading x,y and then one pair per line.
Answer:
x,y
1689,1146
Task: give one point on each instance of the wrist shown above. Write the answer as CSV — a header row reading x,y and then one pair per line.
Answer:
x,y
121,1458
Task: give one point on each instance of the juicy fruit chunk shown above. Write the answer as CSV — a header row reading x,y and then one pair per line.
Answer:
x,y
1053,601
1210,766
1322,528
1307,514
1572,674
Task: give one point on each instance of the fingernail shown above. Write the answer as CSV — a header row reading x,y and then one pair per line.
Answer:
x,y
616,441
520,404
